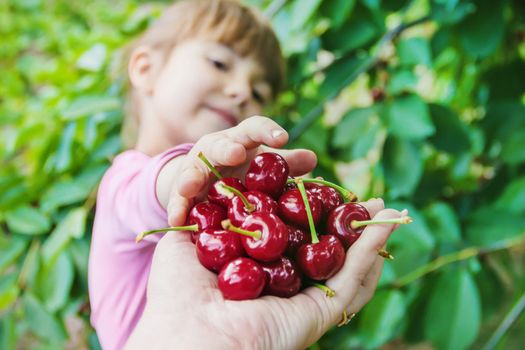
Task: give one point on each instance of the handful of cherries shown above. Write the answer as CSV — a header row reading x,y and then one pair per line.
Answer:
x,y
261,237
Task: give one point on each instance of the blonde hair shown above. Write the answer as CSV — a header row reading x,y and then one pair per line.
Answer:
x,y
226,21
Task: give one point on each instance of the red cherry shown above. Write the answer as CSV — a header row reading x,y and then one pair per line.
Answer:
x,y
267,173
283,278
215,196
339,222
206,215
262,203
292,209
215,248
328,196
321,260
241,279
273,236
296,238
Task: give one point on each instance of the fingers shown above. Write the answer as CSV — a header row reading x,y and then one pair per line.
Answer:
x,y
300,161
227,148
361,257
256,131
373,206
367,289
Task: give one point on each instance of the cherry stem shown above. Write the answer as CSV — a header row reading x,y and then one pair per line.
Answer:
x,y
348,196
209,165
302,190
403,220
233,191
141,236
227,225
328,291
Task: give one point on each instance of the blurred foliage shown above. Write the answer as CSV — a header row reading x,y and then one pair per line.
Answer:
x,y
420,102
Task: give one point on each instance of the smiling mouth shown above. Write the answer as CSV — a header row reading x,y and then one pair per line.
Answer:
x,y
225,115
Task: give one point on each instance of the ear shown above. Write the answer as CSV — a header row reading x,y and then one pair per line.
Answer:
x,y
143,69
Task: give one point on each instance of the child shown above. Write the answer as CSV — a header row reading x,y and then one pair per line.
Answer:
x,y
201,69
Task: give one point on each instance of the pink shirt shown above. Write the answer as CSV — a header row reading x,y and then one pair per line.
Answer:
x,y
127,204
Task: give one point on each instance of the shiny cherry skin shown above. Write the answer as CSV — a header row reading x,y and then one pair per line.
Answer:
x,y
283,278
292,209
216,197
267,173
206,215
328,196
340,219
320,261
296,238
241,279
215,248
263,203
274,236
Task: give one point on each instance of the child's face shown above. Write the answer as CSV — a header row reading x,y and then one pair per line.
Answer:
x,y
205,87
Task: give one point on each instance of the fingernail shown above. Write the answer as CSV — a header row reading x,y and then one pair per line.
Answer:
x,y
277,133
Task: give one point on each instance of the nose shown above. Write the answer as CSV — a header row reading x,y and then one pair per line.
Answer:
x,y
239,91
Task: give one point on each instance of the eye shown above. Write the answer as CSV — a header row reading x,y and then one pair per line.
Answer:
x,y
258,97
218,64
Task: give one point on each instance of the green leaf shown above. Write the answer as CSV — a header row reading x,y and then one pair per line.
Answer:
x,y
403,166
337,74
380,319
302,10
41,321
481,32
54,282
9,291
72,191
27,220
337,11
402,80
12,250
412,244
72,226
7,332
488,225
443,223
451,134
408,117
87,105
453,316
63,156
353,125
94,58
413,51
451,11
513,197
513,151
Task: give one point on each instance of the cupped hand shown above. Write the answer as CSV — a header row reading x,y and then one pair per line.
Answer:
x,y
185,309
231,149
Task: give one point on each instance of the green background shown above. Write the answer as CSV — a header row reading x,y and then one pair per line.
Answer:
x,y
420,102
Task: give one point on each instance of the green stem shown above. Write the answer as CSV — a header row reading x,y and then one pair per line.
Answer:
x,y
403,220
302,190
249,206
141,236
348,196
328,291
503,328
210,166
227,225
460,255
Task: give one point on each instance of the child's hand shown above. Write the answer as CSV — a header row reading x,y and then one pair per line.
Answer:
x,y
234,147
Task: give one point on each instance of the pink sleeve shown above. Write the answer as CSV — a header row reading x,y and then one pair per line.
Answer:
x,y
132,189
